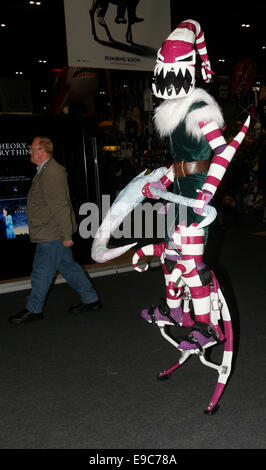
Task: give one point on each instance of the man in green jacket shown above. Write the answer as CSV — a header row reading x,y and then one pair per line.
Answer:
x,y
51,223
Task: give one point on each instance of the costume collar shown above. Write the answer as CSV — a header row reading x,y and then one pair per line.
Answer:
x,y
170,113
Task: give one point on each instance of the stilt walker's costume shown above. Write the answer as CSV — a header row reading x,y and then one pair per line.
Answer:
x,y
193,121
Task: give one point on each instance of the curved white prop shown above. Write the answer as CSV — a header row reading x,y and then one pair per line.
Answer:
x,y
125,202
209,211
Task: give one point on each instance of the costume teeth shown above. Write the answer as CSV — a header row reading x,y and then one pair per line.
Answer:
x,y
159,68
165,71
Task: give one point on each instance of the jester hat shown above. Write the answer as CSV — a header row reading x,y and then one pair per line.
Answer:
x,y
174,72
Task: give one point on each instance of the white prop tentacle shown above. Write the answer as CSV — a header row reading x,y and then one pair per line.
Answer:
x,y
125,202
209,211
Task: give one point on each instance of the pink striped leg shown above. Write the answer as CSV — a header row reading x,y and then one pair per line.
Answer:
x,y
201,304
225,368
164,314
173,297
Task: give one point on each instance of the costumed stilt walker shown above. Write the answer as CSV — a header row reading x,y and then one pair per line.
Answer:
x,y
193,121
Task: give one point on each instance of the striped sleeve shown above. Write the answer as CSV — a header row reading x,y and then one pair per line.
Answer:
x,y
223,153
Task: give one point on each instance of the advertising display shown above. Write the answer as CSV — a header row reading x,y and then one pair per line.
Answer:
x,y
15,177
13,219
118,34
71,138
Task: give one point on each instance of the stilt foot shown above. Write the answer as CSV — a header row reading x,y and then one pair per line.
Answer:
x,y
212,411
161,376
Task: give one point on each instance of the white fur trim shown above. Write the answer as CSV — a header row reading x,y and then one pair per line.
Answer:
x,y
170,113
210,112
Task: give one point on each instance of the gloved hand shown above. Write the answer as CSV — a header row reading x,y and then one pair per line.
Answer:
x,y
148,193
203,198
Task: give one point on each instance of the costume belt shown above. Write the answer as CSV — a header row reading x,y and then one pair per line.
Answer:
x,y
183,168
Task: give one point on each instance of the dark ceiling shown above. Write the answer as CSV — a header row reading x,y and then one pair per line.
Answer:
x,y
32,32
35,32
225,36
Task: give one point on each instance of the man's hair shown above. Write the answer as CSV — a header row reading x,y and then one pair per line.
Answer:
x,y
45,143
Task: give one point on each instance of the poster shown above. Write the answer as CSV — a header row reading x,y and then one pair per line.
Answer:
x,y
13,218
116,34
15,178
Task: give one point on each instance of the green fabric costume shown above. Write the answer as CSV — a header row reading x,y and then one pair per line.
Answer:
x,y
186,147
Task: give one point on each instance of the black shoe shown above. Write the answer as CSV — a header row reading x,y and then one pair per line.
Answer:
x,y
137,20
82,308
120,19
25,316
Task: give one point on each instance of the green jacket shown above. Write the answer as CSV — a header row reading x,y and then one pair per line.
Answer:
x,y
186,147
49,210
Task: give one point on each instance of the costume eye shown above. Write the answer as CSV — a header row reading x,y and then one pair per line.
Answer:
x,y
187,59
159,55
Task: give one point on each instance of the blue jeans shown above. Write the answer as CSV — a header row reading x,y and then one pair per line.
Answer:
x,y
50,257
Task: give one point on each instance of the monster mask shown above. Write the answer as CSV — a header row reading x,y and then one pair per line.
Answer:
x,y
174,73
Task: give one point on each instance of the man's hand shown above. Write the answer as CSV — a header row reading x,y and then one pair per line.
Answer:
x,y
68,243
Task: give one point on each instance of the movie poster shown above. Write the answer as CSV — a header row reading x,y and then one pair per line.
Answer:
x,y
116,34
13,219
15,178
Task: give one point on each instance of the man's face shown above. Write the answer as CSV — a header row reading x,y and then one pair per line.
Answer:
x,y
36,152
